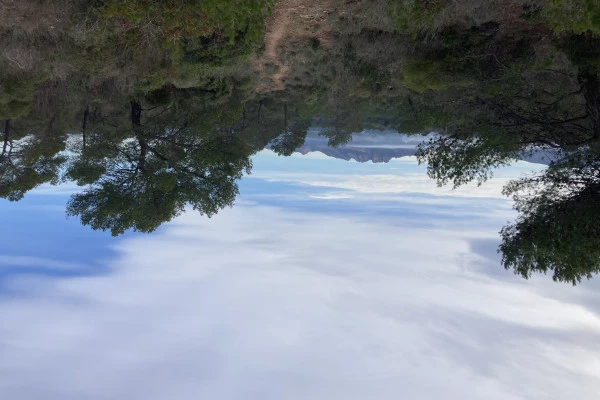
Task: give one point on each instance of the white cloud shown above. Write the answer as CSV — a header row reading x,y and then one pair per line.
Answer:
x,y
402,175
387,183
63,189
40,262
332,196
258,303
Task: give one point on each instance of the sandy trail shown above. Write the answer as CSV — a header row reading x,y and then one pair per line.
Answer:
x,y
286,26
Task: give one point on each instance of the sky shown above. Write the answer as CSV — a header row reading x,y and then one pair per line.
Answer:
x,y
327,280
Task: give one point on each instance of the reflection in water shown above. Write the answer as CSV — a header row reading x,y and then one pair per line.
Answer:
x,y
143,175
329,279
153,107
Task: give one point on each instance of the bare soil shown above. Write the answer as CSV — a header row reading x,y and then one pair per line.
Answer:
x,y
293,22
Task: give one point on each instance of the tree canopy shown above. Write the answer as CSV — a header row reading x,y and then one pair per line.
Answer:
x,y
157,106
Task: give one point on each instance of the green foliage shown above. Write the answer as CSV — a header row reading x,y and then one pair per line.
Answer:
x,y
173,20
457,57
190,40
142,44
337,137
416,16
16,95
557,230
577,16
451,159
583,50
169,158
290,139
426,119
489,81
189,18
433,75
26,164
85,171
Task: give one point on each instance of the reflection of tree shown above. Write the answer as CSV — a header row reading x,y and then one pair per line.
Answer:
x,y
336,136
494,131
149,177
458,160
292,137
274,122
501,120
25,163
496,84
557,229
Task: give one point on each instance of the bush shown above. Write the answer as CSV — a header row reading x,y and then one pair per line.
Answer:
x,y
576,16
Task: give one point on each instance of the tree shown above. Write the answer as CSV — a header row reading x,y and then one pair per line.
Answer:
x,y
558,228
290,139
25,164
150,177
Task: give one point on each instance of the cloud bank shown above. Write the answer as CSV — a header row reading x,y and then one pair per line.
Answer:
x,y
401,175
264,303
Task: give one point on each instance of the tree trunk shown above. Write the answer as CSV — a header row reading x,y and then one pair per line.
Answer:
x,y
136,114
591,92
260,103
143,153
243,117
86,113
6,136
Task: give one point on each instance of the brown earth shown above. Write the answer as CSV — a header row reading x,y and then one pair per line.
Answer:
x,y
293,22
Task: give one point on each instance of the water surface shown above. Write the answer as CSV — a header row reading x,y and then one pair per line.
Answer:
x,y
299,199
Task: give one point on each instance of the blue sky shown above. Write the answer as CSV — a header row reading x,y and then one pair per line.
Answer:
x,y
328,279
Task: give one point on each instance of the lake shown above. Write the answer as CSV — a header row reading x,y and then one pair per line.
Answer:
x,y
298,199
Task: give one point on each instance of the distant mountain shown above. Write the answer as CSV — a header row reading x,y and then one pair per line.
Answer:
x,y
375,146
382,146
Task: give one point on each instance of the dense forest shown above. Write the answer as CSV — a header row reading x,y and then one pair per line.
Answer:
x,y
152,106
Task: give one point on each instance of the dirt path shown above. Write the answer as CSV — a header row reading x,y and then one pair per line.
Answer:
x,y
291,22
